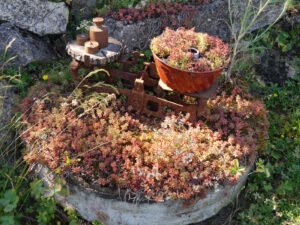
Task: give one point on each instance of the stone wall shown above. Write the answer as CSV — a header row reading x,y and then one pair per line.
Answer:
x,y
43,17
212,18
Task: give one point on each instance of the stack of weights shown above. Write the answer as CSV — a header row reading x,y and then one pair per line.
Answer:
x,y
98,36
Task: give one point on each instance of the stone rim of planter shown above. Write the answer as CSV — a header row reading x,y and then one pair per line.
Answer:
x,y
94,205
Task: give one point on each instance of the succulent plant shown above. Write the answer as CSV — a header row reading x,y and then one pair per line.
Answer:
x,y
174,45
152,10
102,142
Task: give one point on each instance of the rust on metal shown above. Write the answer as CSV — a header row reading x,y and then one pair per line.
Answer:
x,y
145,92
185,81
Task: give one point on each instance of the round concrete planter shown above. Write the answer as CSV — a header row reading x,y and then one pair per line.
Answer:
x,y
93,205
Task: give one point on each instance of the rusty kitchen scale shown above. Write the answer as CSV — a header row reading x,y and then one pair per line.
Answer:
x,y
145,92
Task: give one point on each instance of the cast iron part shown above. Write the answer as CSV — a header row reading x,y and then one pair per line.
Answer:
x,y
145,92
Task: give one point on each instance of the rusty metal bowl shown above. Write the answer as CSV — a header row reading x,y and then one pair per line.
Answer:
x,y
185,82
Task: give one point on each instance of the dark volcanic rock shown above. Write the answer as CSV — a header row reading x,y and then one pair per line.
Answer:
x,y
26,46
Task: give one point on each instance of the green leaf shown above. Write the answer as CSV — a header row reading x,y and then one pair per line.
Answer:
x,y
285,187
261,168
58,188
9,201
282,38
37,189
7,220
236,169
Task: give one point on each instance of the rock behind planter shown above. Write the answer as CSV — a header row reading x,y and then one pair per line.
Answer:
x,y
212,18
83,8
93,206
38,16
27,46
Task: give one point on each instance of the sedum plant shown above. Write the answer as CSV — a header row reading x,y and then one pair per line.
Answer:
x,y
103,143
173,46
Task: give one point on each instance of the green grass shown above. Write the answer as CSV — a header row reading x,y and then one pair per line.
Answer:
x,y
23,199
273,195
